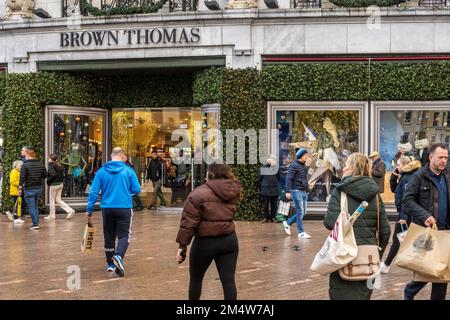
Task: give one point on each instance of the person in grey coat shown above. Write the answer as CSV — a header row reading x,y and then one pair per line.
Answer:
x,y
378,169
269,189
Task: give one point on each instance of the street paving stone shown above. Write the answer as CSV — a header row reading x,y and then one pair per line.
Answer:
x,y
271,266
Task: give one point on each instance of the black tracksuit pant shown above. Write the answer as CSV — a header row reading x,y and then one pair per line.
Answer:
x,y
116,224
224,251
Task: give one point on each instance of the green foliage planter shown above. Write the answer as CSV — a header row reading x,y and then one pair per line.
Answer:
x,y
25,95
86,6
366,3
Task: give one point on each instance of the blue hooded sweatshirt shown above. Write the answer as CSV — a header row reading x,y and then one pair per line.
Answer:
x,y
116,182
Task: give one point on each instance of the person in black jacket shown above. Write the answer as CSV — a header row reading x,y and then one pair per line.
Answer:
x,y
55,180
269,189
426,201
398,181
154,173
30,184
297,189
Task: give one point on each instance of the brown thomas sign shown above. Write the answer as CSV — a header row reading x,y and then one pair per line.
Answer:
x,y
129,37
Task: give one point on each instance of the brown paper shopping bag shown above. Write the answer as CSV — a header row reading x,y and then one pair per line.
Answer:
x,y
88,238
425,251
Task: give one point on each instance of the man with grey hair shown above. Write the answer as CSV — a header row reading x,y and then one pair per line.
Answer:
x,y
116,182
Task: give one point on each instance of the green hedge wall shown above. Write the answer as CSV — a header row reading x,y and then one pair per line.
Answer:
x,y
25,96
241,94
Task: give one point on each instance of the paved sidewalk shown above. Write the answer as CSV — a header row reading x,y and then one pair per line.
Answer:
x,y
271,265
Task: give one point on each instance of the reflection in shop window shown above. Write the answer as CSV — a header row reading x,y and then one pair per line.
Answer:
x,y
78,144
330,136
396,138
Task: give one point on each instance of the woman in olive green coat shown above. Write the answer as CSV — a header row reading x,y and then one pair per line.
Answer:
x,y
359,186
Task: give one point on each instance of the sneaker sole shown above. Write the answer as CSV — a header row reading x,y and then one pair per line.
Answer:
x,y
119,267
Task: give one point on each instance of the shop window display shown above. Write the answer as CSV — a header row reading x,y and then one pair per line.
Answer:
x,y
330,136
140,131
77,141
412,138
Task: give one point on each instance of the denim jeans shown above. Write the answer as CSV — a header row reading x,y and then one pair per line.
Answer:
x,y
300,199
32,195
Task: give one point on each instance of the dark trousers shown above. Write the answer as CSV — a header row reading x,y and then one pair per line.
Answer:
x,y
116,224
224,251
272,201
438,290
137,201
395,245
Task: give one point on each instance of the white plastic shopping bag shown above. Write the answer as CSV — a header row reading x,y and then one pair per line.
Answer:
x,y
284,207
340,246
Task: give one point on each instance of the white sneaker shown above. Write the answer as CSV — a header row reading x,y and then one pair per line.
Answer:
x,y
18,221
384,268
9,215
304,235
48,218
287,228
70,214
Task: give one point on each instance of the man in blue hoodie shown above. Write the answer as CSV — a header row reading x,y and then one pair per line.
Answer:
x,y
117,183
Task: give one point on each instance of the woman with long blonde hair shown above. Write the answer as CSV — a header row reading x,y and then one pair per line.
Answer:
x,y
359,186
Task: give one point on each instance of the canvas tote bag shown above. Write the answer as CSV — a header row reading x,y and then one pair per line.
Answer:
x,y
340,246
366,264
425,250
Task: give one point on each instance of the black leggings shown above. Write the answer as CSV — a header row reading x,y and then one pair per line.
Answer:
x,y
395,244
224,251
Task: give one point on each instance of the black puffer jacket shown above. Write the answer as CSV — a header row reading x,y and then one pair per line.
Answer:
x,y
55,173
269,183
398,185
297,177
421,197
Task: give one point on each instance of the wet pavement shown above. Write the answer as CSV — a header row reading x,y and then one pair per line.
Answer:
x,y
43,264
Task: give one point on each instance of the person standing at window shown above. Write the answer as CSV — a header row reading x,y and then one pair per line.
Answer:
x,y
55,180
297,189
269,189
30,184
378,169
208,214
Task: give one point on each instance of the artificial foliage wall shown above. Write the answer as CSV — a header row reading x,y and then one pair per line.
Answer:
x,y
24,97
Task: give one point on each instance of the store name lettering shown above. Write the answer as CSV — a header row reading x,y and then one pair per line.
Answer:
x,y
129,37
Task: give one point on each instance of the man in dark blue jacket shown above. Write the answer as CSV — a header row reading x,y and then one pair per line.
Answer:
x,y
427,201
297,189
116,182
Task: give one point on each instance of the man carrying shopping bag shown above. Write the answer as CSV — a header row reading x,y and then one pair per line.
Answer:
x,y
426,200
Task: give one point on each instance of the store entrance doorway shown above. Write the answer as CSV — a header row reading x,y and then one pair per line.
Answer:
x,y
168,176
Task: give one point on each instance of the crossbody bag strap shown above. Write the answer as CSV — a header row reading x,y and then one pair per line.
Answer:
x,y
377,232
344,202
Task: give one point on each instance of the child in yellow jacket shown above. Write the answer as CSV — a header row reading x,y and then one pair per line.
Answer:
x,y
14,176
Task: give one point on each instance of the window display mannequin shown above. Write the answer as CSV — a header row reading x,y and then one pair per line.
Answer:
x,y
421,145
404,148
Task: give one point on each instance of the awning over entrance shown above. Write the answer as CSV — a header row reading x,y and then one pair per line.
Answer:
x,y
132,64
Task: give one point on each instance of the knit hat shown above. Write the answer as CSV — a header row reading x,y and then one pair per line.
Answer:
x,y
301,152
